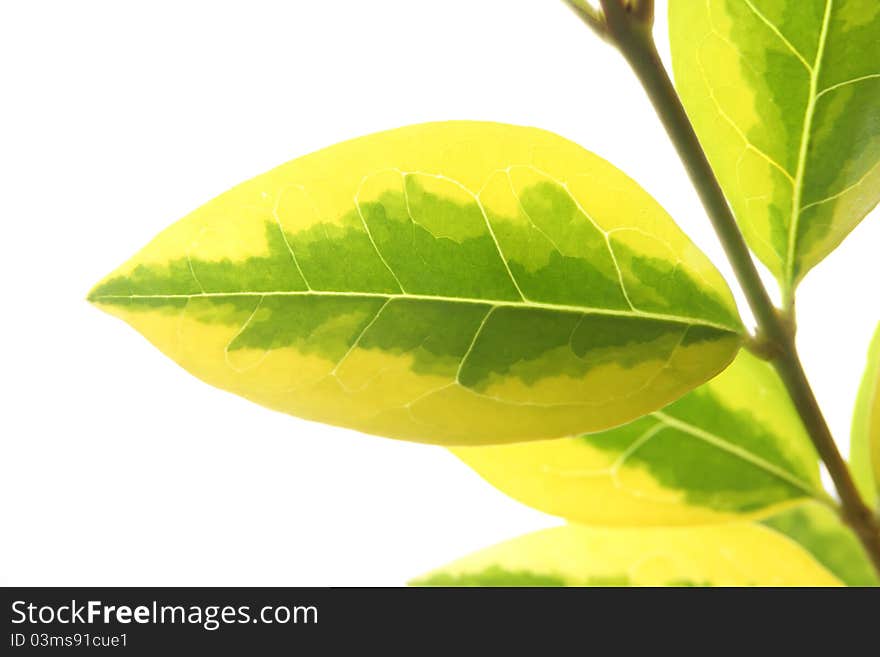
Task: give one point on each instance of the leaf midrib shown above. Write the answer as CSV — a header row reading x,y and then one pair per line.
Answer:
x,y
797,191
631,314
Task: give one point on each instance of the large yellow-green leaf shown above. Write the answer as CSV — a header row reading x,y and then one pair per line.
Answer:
x,y
785,97
453,283
819,530
736,554
865,437
732,448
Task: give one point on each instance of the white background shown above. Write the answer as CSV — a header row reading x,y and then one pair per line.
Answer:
x,y
117,118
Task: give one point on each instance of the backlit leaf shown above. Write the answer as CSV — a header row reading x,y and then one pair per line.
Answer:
x,y
820,532
732,448
865,438
453,283
785,96
736,554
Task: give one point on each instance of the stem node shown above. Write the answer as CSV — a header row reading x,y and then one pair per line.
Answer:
x,y
628,26
762,347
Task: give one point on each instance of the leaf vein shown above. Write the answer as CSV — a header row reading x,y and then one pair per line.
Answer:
x,y
809,112
773,28
284,235
357,205
872,76
725,445
473,343
634,314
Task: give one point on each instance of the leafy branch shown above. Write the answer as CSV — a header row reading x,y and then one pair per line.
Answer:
x,y
627,24
505,293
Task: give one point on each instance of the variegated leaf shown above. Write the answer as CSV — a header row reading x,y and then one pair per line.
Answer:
x,y
731,449
865,436
785,97
737,554
454,283
819,530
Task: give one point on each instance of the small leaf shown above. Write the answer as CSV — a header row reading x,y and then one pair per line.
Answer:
x,y
865,438
732,448
821,533
451,283
737,554
785,98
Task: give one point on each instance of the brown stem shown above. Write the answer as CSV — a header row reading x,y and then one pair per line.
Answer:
x,y
628,25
